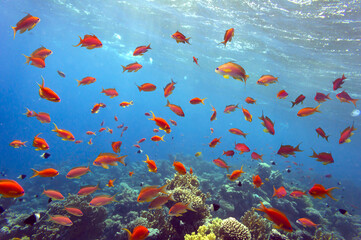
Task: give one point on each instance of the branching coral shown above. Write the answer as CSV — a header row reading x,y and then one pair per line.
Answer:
x,y
257,225
231,229
320,235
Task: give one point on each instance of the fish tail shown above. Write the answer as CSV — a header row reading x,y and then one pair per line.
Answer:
x,y
35,114
121,159
163,189
297,148
79,42
274,191
187,40
42,83
314,155
27,59
190,207
326,137
170,197
343,75
129,233
328,96
203,100
224,43
153,117
316,109
261,157
124,68
168,103
328,192
14,29
36,173
354,101
78,82
293,104
148,47
162,138
55,129
262,209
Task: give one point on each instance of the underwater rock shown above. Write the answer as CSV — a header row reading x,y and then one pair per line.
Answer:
x,y
276,235
264,170
231,229
259,227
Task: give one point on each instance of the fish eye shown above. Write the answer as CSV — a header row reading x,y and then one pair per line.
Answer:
x,y
217,68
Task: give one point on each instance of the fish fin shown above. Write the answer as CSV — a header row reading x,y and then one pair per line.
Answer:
x,y
36,173
121,159
226,76
162,138
190,207
129,233
328,192
163,189
113,164
78,82
124,69
79,42
316,109
105,166
27,59
354,101
14,29
55,129
347,140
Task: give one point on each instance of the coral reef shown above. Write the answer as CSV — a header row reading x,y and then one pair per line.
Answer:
x,y
275,235
259,227
208,231
231,229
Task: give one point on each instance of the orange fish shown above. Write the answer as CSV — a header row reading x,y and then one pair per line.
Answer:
x,y
195,60
319,191
190,171
64,134
90,133
17,143
168,90
266,80
221,163
26,23
42,53
158,202
157,138
78,141
179,208
180,38
53,194
282,94
197,100
238,132
48,172
228,36
126,104
10,189
308,111
230,108
152,167
102,129
268,124
42,117
106,159
212,130
256,156
47,93
277,217
110,183
86,81
179,167
132,67
235,174
116,146
147,87
280,192
257,181
40,143
175,108
77,172
37,62
111,92
116,118
250,100
61,220
109,130
97,106
139,233
29,113
139,51
161,123
86,190
102,200
306,222
131,174
297,194
90,42
214,114
141,140
347,134
174,123
234,70
214,142
247,115
147,194
74,211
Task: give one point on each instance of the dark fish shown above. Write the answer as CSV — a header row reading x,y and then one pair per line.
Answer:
x,y
36,196
327,205
343,211
22,176
2,210
239,184
45,155
141,184
32,219
61,74
273,162
288,170
328,176
338,183
214,207
140,151
50,200
3,173
21,200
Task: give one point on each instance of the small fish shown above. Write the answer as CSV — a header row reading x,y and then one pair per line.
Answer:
x,y
298,100
86,190
198,154
257,181
179,167
102,200
126,104
74,211
157,138
197,100
230,108
250,100
180,38
147,87
235,174
355,113
48,172
77,172
325,158
273,162
322,133
277,217
90,42
343,211
132,67
221,163
297,194
280,192
116,146
175,108
140,151
53,194
65,135
286,150
214,142
282,94
106,159
47,93
50,200
110,183
345,97
152,167
26,23
247,115
139,233
320,97
131,173
234,70
158,202
265,80
306,222
168,89
238,132
242,147
268,124
22,176
61,220
97,107
228,36
338,82
86,81
174,123
195,60
319,191
347,134
61,74
147,194
32,219
256,156
139,51
228,153
214,114
179,209
110,92
17,143
161,123
214,207
308,111
288,170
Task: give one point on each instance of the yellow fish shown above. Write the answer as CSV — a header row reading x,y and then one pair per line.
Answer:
x,y
198,154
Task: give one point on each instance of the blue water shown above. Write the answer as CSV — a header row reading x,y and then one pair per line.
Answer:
x,y
306,44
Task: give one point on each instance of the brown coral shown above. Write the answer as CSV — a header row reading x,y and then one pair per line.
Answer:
x,y
231,229
257,225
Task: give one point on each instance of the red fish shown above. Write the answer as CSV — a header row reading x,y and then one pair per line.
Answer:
x,y
320,97
214,114
26,23
286,150
158,202
179,208
139,233
344,97
266,80
102,200
247,115
37,62
175,108
40,143
256,156
325,158
228,153
132,67
47,93
86,81
131,173
230,108
250,100
319,191
42,117
116,118
110,183
147,87
42,53
282,94
235,174
78,141
86,190
147,114
221,163
297,194
228,36
237,132
346,134
242,148
139,51
61,220
74,211
179,167
48,172
161,123
298,100
168,89
90,42
338,82
106,159
277,217
116,146
53,194
280,192
257,181
111,92
304,112
90,133
306,222
29,113
180,38
10,189
212,130
17,143
214,142
157,138
64,134
141,140
126,104
190,171
234,70
147,194
77,172
195,60
322,133
197,100
97,106
268,124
